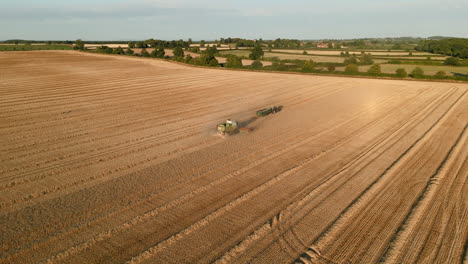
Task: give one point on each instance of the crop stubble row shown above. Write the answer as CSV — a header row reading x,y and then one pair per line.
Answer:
x,y
133,173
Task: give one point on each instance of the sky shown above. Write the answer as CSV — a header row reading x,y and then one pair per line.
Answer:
x,y
209,19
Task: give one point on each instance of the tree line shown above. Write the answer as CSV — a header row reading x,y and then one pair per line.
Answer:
x,y
457,47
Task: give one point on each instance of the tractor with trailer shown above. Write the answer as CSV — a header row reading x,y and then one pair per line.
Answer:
x,y
270,110
231,127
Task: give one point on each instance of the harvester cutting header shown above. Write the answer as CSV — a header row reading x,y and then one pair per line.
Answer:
x,y
231,127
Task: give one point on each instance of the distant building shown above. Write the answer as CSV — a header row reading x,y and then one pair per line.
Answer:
x,y
322,45
325,45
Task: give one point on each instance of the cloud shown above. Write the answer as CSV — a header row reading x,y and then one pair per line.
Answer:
x,y
209,19
123,10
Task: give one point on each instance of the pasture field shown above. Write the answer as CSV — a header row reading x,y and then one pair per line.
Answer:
x,y
428,69
170,52
337,52
35,46
115,159
292,56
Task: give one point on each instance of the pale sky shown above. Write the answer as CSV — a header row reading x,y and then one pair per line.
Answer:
x,y
209,19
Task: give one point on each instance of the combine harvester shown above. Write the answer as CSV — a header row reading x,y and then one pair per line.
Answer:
x,y
231,127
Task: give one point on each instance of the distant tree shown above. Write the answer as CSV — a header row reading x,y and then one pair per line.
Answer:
x,y
104,49
233,61
213,62
129,52
195,49
331,68
352,68
417,72
188,59
144,53
401,72
141,45
396,47
190,41
457,47
347,54
256,53
428,58
131,44
338,46
279,66
202,44
49,42
342,54
410,54
351,60
16,42
375,69
206,59
257,64
366,59
304,52
79,44
150,43
330,45
218,45
158,53
211,51
452,61
118,50
441,74
178,52
308,66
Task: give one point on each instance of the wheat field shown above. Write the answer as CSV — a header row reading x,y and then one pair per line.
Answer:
x,y
115,159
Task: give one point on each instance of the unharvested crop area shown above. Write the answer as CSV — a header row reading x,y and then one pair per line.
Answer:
x,y
113,159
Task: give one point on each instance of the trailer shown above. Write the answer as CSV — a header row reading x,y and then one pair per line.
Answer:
x,y
270,110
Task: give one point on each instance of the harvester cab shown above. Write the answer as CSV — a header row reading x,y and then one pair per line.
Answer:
x,y
231,127
228,127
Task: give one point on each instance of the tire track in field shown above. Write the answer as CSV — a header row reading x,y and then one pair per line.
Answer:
x,y
145,255
297,210
390,226
134,93
134,122
356,205
16,183
94,156
421,206
157,211
284,215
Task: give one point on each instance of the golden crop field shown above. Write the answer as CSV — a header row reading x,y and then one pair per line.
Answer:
x,y
115,159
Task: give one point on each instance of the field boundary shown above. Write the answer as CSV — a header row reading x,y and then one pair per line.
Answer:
x,y
295,73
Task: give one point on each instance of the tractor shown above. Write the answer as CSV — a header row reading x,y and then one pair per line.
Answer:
x,y
270,110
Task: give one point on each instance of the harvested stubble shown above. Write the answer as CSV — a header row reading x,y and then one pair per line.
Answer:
x,y
113,159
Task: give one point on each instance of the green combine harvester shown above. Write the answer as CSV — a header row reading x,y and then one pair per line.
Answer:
x,y
269,110
231,127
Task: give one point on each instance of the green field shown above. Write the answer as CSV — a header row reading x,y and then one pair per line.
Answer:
x,y
428,69
292,56
35,47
